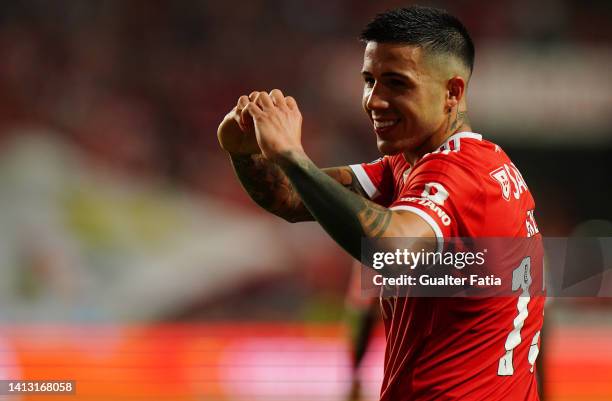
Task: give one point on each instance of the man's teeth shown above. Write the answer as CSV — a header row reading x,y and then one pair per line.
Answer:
x,y
383,124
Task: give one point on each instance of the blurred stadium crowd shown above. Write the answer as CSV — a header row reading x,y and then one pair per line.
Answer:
x,y
142,85
118,205
137,88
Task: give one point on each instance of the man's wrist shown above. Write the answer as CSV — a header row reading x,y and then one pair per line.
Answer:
x,y
242,152
291,158
246,157
240,156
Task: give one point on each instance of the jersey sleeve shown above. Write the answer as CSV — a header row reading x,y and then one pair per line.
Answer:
x,y
446,194
376,178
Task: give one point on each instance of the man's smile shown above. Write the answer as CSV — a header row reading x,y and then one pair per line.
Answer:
x,y
384,125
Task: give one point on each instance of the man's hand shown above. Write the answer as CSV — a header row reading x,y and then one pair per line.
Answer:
x,y
236,133
278,124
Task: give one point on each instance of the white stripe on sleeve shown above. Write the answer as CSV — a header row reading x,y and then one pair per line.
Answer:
x,y
365,180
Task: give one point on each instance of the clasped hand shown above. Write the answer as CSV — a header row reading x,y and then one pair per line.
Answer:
x,y
261,122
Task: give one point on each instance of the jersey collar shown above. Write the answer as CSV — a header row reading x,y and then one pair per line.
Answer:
x,y
453,142
454,139
463,134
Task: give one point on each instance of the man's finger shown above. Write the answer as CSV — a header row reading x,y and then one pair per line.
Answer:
x,y
253,110
278,98
242,102
254,95
291,103
264,101
244,119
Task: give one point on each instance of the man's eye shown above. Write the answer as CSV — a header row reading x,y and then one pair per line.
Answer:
x,y
369,82
397,83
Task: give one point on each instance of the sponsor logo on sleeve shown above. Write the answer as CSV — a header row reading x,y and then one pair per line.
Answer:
x,y
442,215
435,192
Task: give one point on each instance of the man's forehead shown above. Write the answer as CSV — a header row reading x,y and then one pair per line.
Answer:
x,y
392,55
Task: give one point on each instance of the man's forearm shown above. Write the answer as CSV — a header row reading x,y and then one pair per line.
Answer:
x,y
345,215
269,187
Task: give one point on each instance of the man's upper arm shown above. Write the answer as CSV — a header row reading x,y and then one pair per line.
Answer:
x,y
414,228
375,180
441,190
408,224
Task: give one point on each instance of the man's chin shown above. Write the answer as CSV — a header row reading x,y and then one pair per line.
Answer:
x,y
388,148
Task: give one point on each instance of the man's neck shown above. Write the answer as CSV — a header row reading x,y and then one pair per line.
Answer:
x,y
435,141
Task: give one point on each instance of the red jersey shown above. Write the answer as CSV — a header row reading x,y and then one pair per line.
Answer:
x,y
459,348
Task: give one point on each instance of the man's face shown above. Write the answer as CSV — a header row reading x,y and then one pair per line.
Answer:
x,y
404,96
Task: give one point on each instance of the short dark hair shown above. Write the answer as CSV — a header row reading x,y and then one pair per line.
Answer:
x,y
432,29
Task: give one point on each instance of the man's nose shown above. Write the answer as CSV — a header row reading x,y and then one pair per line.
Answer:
x,y
376,98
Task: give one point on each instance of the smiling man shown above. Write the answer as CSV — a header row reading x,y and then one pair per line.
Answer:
x,y
437,180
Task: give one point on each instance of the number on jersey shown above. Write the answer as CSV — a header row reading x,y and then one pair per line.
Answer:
x,y
521,279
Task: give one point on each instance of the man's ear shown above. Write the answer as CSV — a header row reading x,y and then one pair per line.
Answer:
x,y
455,90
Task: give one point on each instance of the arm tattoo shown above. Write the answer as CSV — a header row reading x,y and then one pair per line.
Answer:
x,y
346,177
346,216
271,189
375,219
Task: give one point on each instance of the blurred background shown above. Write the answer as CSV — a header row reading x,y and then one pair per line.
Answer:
x,y
132,261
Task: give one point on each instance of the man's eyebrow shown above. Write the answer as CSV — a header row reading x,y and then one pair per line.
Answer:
x,y
398,75
391,75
